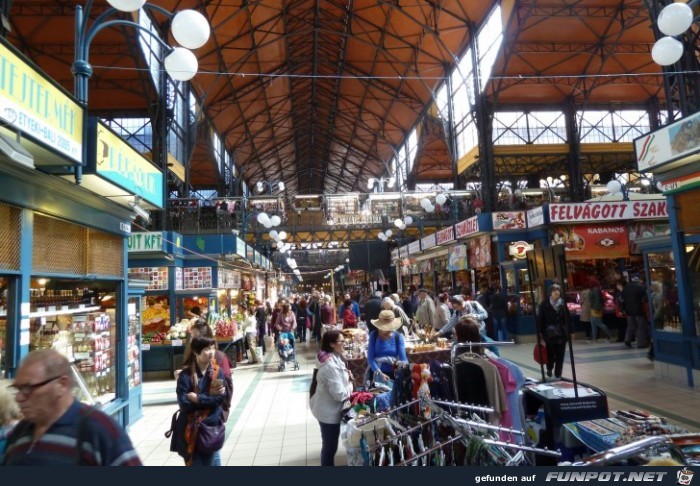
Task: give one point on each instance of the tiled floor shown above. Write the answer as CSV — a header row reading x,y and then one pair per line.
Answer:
x,y
270,422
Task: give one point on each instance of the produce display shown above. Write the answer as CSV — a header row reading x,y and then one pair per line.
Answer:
x,y
225,327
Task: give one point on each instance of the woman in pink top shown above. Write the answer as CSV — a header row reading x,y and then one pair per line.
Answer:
x,y
286,320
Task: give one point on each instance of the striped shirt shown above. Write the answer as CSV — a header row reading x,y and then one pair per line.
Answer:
x,y
102,440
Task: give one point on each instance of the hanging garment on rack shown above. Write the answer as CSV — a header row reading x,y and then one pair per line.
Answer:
x,y
468,367
442,385
517,413
509,386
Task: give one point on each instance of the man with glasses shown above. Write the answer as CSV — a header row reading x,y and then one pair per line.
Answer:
x,y
56,429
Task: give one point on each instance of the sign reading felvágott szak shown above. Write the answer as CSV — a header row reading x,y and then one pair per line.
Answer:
x,y
607,211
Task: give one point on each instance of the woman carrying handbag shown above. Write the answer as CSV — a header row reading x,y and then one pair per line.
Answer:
x,y
201,394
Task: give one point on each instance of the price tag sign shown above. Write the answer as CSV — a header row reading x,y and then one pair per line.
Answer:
x,y
146,347
177,342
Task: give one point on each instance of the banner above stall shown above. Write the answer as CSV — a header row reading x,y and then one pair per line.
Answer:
x,y
670,147
445,236
511,220
37,106
428,242
642,231
535,217
589,242
607,211
116,170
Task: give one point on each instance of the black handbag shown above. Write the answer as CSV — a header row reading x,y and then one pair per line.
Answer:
x,y
176,434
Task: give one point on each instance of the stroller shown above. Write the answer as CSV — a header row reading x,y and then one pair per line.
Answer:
x,y
286,351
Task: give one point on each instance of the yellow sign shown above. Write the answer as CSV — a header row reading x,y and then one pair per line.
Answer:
x,y
33,104
119,162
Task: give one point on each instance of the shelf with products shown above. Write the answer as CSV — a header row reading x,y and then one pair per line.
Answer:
x,y
133,343
88,340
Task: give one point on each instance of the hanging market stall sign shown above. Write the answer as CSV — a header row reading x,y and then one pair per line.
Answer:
x,y
115,169
480,251
467,227
682,183
672,146
145,242
588,242
427,242
535,217
414,247
640,231
511,220
31,102
394,254
458,258
445,235
518,249
607,211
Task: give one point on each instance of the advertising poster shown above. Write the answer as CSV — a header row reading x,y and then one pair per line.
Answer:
x,y
480,251
511,220
587,242
641,230
458,258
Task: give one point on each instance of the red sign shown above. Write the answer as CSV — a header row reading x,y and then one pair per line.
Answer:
x,y
445,235
588,242
607,211
467,227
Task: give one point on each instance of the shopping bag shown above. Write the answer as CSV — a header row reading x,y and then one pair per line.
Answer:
x,y
540,353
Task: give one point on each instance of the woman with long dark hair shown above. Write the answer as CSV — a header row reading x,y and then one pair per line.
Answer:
x,y
201,394
554,331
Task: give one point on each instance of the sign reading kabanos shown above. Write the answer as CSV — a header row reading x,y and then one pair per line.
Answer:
x,y
607,211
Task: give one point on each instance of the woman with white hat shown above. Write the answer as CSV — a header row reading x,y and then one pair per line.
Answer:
x,y
386,346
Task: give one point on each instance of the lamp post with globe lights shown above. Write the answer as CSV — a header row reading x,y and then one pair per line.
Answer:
x,y
674,20
190,30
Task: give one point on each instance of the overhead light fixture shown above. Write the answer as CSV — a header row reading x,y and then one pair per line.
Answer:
x,y
143,213
280,185
259,186
15,152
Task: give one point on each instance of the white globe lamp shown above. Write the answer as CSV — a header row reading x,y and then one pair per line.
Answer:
x,y
667,51
407,220
675,19
181,64
275,220
190,29
398,222
127,5
441,199
614,187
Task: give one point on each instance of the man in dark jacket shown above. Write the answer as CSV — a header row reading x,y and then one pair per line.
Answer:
x,y
372,309
261,320
633,298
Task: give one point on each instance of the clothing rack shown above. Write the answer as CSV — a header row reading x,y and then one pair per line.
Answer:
x,y
473,344
430,451
466,406
389,412
460,425
378,444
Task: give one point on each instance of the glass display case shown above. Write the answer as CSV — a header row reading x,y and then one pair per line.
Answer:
x,y
692,256
519,292
133,343
663,288
80,323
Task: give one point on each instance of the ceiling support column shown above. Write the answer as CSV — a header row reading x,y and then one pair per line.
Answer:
x,y
577,191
